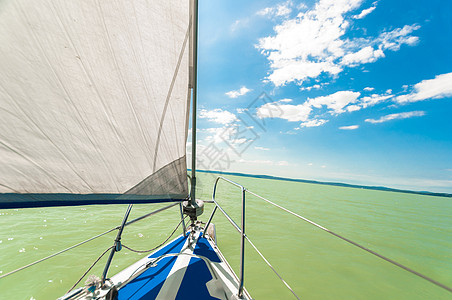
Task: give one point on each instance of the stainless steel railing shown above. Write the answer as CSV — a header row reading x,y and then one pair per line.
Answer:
x,y
241,230
117,243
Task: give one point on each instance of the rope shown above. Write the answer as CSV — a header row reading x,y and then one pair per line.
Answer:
x,y
358,245
89,269
164,242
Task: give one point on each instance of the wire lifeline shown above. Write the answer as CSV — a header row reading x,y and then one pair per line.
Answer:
x,y
88,240
271,267
150,250
425,277
58,253
137,251
241,231
89,269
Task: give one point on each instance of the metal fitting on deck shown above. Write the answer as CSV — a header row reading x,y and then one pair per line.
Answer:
x,y
193,210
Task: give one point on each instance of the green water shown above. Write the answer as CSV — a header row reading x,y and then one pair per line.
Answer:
x,y
413,229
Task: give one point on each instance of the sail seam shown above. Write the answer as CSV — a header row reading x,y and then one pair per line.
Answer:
x,y
121,77
176,71
18,152
96,90
36,40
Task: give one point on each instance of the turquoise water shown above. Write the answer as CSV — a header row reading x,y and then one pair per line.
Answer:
x,y
413,229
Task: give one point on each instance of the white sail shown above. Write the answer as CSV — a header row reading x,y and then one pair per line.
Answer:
x,y
94,98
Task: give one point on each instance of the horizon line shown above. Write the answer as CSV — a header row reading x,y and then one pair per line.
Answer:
x,y
339,184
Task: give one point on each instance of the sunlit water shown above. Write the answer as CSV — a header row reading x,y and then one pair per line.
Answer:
x,y
413,229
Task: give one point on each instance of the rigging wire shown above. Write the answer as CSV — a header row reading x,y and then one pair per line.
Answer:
x,y
271,267
137,251
58,253
89,269
150,250
439,284
88,240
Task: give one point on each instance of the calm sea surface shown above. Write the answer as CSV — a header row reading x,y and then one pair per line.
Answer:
x,y
413,229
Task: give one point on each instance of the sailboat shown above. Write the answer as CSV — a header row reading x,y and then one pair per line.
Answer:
x,y
95,102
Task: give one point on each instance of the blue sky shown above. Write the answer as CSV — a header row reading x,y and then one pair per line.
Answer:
x,y
349,91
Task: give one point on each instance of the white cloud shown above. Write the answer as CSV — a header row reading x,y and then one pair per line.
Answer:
x,y
369,89
365,12
392,40
374,99
353,107
239,24
262,148
404,115
215,135
293,70
351,127
367,101
387,40
279,10
265,162
335,102
439,87
302,6
288,112
242,91
229,134
308,88
313,43
261,162
265,11
239,141
218,116
365,55
313,123
285,100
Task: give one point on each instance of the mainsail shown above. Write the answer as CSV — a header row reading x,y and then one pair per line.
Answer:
x,y
94,101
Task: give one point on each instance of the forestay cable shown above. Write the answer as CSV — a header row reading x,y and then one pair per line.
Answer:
x,y
357,245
